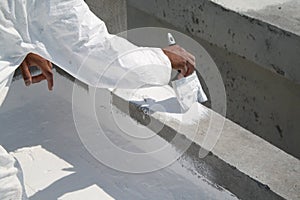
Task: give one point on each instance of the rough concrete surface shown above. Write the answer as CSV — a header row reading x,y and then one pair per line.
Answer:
x,y
241,162
268,45
263,102
112,12
264,163
282,13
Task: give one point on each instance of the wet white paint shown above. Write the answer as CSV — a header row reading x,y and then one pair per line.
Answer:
x,y
38,126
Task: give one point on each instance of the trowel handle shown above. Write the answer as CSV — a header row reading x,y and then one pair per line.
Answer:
x,y
171,40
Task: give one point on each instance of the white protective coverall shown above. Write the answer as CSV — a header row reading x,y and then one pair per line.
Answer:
x,y
69,35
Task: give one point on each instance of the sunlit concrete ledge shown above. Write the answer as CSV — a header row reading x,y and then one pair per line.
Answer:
x,y
263,31
240,161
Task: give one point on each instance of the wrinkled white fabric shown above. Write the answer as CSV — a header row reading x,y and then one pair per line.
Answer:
x,y
189,91
4,86
10,186
68,34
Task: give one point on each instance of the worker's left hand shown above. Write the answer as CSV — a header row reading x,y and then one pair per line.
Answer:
x,y
44,65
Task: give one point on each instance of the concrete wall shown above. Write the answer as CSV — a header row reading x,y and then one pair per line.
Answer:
x,y
264,102
268,45
113,12
241,162
260,101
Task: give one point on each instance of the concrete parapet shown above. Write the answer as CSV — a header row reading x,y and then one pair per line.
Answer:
x,y
245,33
259,100
112,12
241,162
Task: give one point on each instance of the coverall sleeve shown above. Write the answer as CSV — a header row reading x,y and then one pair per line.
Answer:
x,y
10,186
68,34
15,42
71,36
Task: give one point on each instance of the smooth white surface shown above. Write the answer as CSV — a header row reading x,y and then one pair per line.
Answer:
x,y
44,126
93,193
41,168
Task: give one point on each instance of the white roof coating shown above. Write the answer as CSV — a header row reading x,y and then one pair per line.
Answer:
x,y
38,127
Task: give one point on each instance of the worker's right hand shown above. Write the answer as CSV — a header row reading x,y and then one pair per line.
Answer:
x,y
180,59
44,65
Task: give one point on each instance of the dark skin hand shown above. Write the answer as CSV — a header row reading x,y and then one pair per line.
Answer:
x,y
44,65
181,60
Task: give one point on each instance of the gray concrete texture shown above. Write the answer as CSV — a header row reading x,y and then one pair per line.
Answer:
x,y
263,102
281,13
112,12
245,164
264,172
267,45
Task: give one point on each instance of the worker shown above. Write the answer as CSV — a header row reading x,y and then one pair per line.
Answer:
x,y
66,33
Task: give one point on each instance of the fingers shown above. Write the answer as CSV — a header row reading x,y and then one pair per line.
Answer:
x,y
44,65
26,73
181,59
49,64
46,68
190,69
38,78
188,66
183,67
49,77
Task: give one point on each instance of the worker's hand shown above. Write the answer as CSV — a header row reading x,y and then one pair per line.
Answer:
x,y
44,65
180,59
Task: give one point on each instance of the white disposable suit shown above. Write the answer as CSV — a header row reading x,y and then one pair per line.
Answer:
x,y
69,35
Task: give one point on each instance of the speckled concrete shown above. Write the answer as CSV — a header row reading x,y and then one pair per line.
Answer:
x,y
243,163
284,14
271,46
113,12
247,165
263,102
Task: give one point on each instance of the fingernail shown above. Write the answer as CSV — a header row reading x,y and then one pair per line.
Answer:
x,y
27,82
